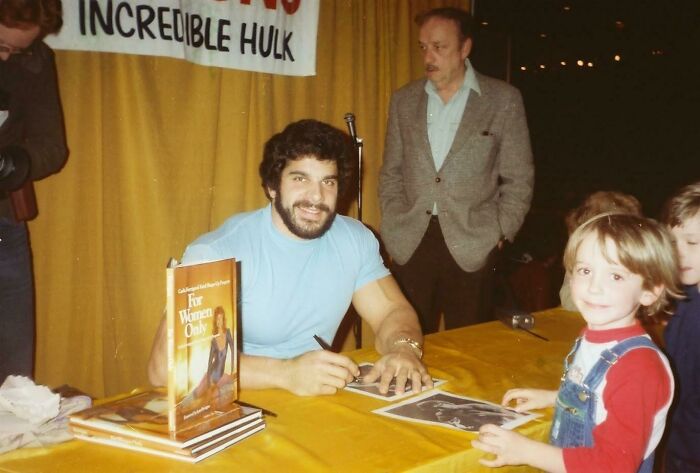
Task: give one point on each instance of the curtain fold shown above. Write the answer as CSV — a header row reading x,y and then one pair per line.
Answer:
x,y
161,151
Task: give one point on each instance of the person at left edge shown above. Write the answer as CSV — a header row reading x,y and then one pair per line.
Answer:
x,y
301,267
32,146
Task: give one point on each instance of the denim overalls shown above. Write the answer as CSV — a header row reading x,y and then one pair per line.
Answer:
x,y
574,414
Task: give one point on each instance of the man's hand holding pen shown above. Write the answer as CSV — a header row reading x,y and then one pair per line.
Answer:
x,y
318,372
326,346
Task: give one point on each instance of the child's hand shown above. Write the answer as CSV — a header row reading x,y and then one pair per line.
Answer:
x,y
511,448
526,399
506,445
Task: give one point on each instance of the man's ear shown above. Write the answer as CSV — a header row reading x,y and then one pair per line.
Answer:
x,y
466,48
272,193
648,297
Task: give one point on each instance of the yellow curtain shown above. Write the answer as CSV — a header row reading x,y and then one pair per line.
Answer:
x,y
163,150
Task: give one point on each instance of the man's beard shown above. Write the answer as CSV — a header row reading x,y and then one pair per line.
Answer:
x,y
299,227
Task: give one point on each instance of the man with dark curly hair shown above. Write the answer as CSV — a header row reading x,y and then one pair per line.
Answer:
x,y
32,146
301,267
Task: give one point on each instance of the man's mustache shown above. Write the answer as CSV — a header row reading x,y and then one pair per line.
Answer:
x,y
306,203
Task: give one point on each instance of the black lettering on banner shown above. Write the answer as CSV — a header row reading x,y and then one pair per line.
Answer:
x,y
144,17
96,14
188,32
223,36
128,18
245,40
287,49
196,30
208,35
267,42
264,52
179,29
163,26
118,19
81,16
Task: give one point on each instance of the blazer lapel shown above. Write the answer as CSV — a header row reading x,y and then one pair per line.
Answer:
x,y
420,128
471,122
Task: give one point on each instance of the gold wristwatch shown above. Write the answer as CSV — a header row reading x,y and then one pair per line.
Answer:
x,y
415,346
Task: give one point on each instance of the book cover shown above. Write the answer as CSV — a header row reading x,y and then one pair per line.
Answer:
x,y
191,454
144,415
201,330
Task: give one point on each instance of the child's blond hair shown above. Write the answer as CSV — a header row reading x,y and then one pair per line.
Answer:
x,y
684,205
644,247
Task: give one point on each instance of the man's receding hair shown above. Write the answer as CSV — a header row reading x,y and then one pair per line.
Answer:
x,y
306,138
684,205
644,247
464,20
46,14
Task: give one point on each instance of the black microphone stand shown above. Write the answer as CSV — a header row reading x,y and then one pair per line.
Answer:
x,y
358,146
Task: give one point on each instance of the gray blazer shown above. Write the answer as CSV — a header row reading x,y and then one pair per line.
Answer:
x,y
483,189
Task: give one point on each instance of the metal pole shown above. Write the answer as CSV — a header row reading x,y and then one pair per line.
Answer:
x,y
359,146
357,327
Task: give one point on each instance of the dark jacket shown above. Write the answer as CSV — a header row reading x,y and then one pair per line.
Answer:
x,y
682,338
35,120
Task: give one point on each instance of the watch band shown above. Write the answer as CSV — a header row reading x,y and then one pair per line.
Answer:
x,y
415,346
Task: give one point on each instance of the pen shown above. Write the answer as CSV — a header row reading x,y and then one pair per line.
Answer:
x,y
533,333
324,344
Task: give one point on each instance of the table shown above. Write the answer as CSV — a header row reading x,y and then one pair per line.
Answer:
x,y
340,433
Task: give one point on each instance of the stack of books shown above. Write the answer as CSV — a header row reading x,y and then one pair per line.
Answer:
x,y
140,422
197,415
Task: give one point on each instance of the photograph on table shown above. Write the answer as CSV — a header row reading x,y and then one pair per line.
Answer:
x,y
372,389
456,412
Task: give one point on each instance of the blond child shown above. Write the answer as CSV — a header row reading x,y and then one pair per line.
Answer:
x,y
682,334
617,386
596,204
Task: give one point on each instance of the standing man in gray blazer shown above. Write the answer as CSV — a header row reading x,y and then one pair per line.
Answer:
x,y
457,177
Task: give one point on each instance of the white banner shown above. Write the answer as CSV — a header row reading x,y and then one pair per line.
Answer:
x,y
275,36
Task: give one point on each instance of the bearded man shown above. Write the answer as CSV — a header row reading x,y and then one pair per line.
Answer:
x,y
301,267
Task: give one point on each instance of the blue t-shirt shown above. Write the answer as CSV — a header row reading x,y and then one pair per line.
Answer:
x,y
291,289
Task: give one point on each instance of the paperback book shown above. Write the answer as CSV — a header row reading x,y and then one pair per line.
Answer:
x,y
201,331
144,416
197,415
192,454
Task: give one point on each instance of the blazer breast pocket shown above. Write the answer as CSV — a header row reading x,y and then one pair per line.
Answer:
x,y
480,152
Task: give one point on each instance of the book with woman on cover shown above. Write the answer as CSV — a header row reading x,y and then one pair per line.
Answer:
x,y
201,330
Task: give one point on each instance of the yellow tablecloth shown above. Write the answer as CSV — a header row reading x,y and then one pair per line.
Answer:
x,y
340,433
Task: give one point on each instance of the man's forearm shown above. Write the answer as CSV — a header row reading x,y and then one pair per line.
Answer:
x,y
261,372
382,304
400,324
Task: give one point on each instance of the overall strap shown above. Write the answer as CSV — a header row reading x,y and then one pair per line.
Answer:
x,y
611,356
570,356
